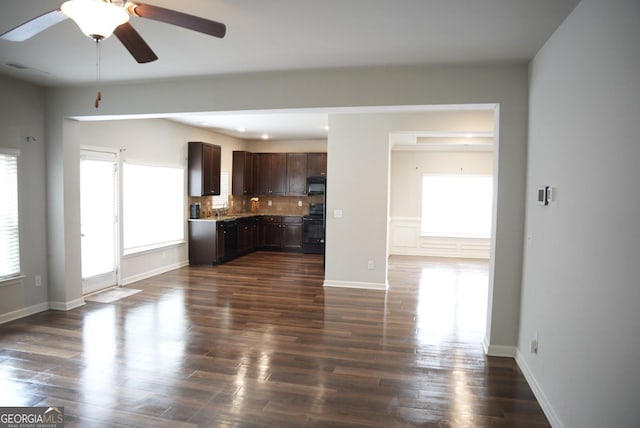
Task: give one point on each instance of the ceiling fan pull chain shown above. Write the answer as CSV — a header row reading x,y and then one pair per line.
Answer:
x,y
99,95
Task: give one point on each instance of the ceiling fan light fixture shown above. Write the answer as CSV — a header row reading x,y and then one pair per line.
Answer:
x,y
96,18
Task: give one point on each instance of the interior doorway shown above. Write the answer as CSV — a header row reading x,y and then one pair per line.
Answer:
x,y
98,219
441,206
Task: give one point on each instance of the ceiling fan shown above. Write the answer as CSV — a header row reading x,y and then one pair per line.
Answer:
x,y
98,19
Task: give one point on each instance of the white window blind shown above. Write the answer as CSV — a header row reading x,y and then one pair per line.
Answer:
x,y
457,205
152,207
9,230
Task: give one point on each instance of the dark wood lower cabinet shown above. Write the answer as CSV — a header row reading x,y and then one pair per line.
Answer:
x,y
209,240
247,234
270,232
282,233
292,233
203,243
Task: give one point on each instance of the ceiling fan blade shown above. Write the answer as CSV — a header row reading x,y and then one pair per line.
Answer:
x,y
34,26
134,43
168,16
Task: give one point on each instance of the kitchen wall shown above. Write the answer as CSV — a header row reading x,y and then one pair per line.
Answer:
x,y
581,276
280,205
407,169
22,116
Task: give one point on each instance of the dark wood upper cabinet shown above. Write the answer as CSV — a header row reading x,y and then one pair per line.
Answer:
x,y
296,174
271,173
316,164
275,173
204,169
243,177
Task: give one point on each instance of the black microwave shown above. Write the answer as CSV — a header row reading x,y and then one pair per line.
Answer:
x,y
316,185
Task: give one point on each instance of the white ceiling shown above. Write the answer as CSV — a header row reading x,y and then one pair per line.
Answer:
x,y
279,125
285,35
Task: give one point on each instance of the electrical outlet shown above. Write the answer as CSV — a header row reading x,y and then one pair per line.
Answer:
x,y
269,203
533,345
38,281
371,265
299,203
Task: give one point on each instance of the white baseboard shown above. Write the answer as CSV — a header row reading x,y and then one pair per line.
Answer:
x,y
498,350
354,284
154,272
24,312
66,306
547,408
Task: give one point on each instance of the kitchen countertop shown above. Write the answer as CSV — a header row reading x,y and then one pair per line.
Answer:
x,y
244,215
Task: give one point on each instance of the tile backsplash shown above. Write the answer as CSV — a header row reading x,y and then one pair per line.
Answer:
x,y
242,204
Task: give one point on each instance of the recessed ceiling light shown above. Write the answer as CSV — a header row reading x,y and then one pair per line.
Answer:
x,y
265,136
242,130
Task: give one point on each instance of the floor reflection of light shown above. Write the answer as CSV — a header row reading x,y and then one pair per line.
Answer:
x,y
11,393
237,401
264,366
155,334
451,302
99,337
462,399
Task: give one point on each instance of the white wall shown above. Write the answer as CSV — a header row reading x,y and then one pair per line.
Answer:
x,y
406,87
22,116
162,142
357,186
407,169
581,276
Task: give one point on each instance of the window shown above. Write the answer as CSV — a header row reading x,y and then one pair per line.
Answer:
x,y
221,201
456,205
9,230
152,207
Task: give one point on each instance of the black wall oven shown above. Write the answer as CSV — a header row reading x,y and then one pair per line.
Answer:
x,y
313,230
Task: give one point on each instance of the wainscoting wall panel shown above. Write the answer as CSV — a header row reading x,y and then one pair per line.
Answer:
x,y
405,240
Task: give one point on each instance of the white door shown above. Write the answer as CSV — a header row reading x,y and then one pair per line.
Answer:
x,y
98,219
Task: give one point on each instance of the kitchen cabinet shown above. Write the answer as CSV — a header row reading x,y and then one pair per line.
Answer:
x,y
292,233
275,173
271,169
203,243
218,241
227,240
316,164
204,169
282,233
247,234
270,232
243,174
296,174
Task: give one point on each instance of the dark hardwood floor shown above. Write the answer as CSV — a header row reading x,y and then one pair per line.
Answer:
x,y
258,342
